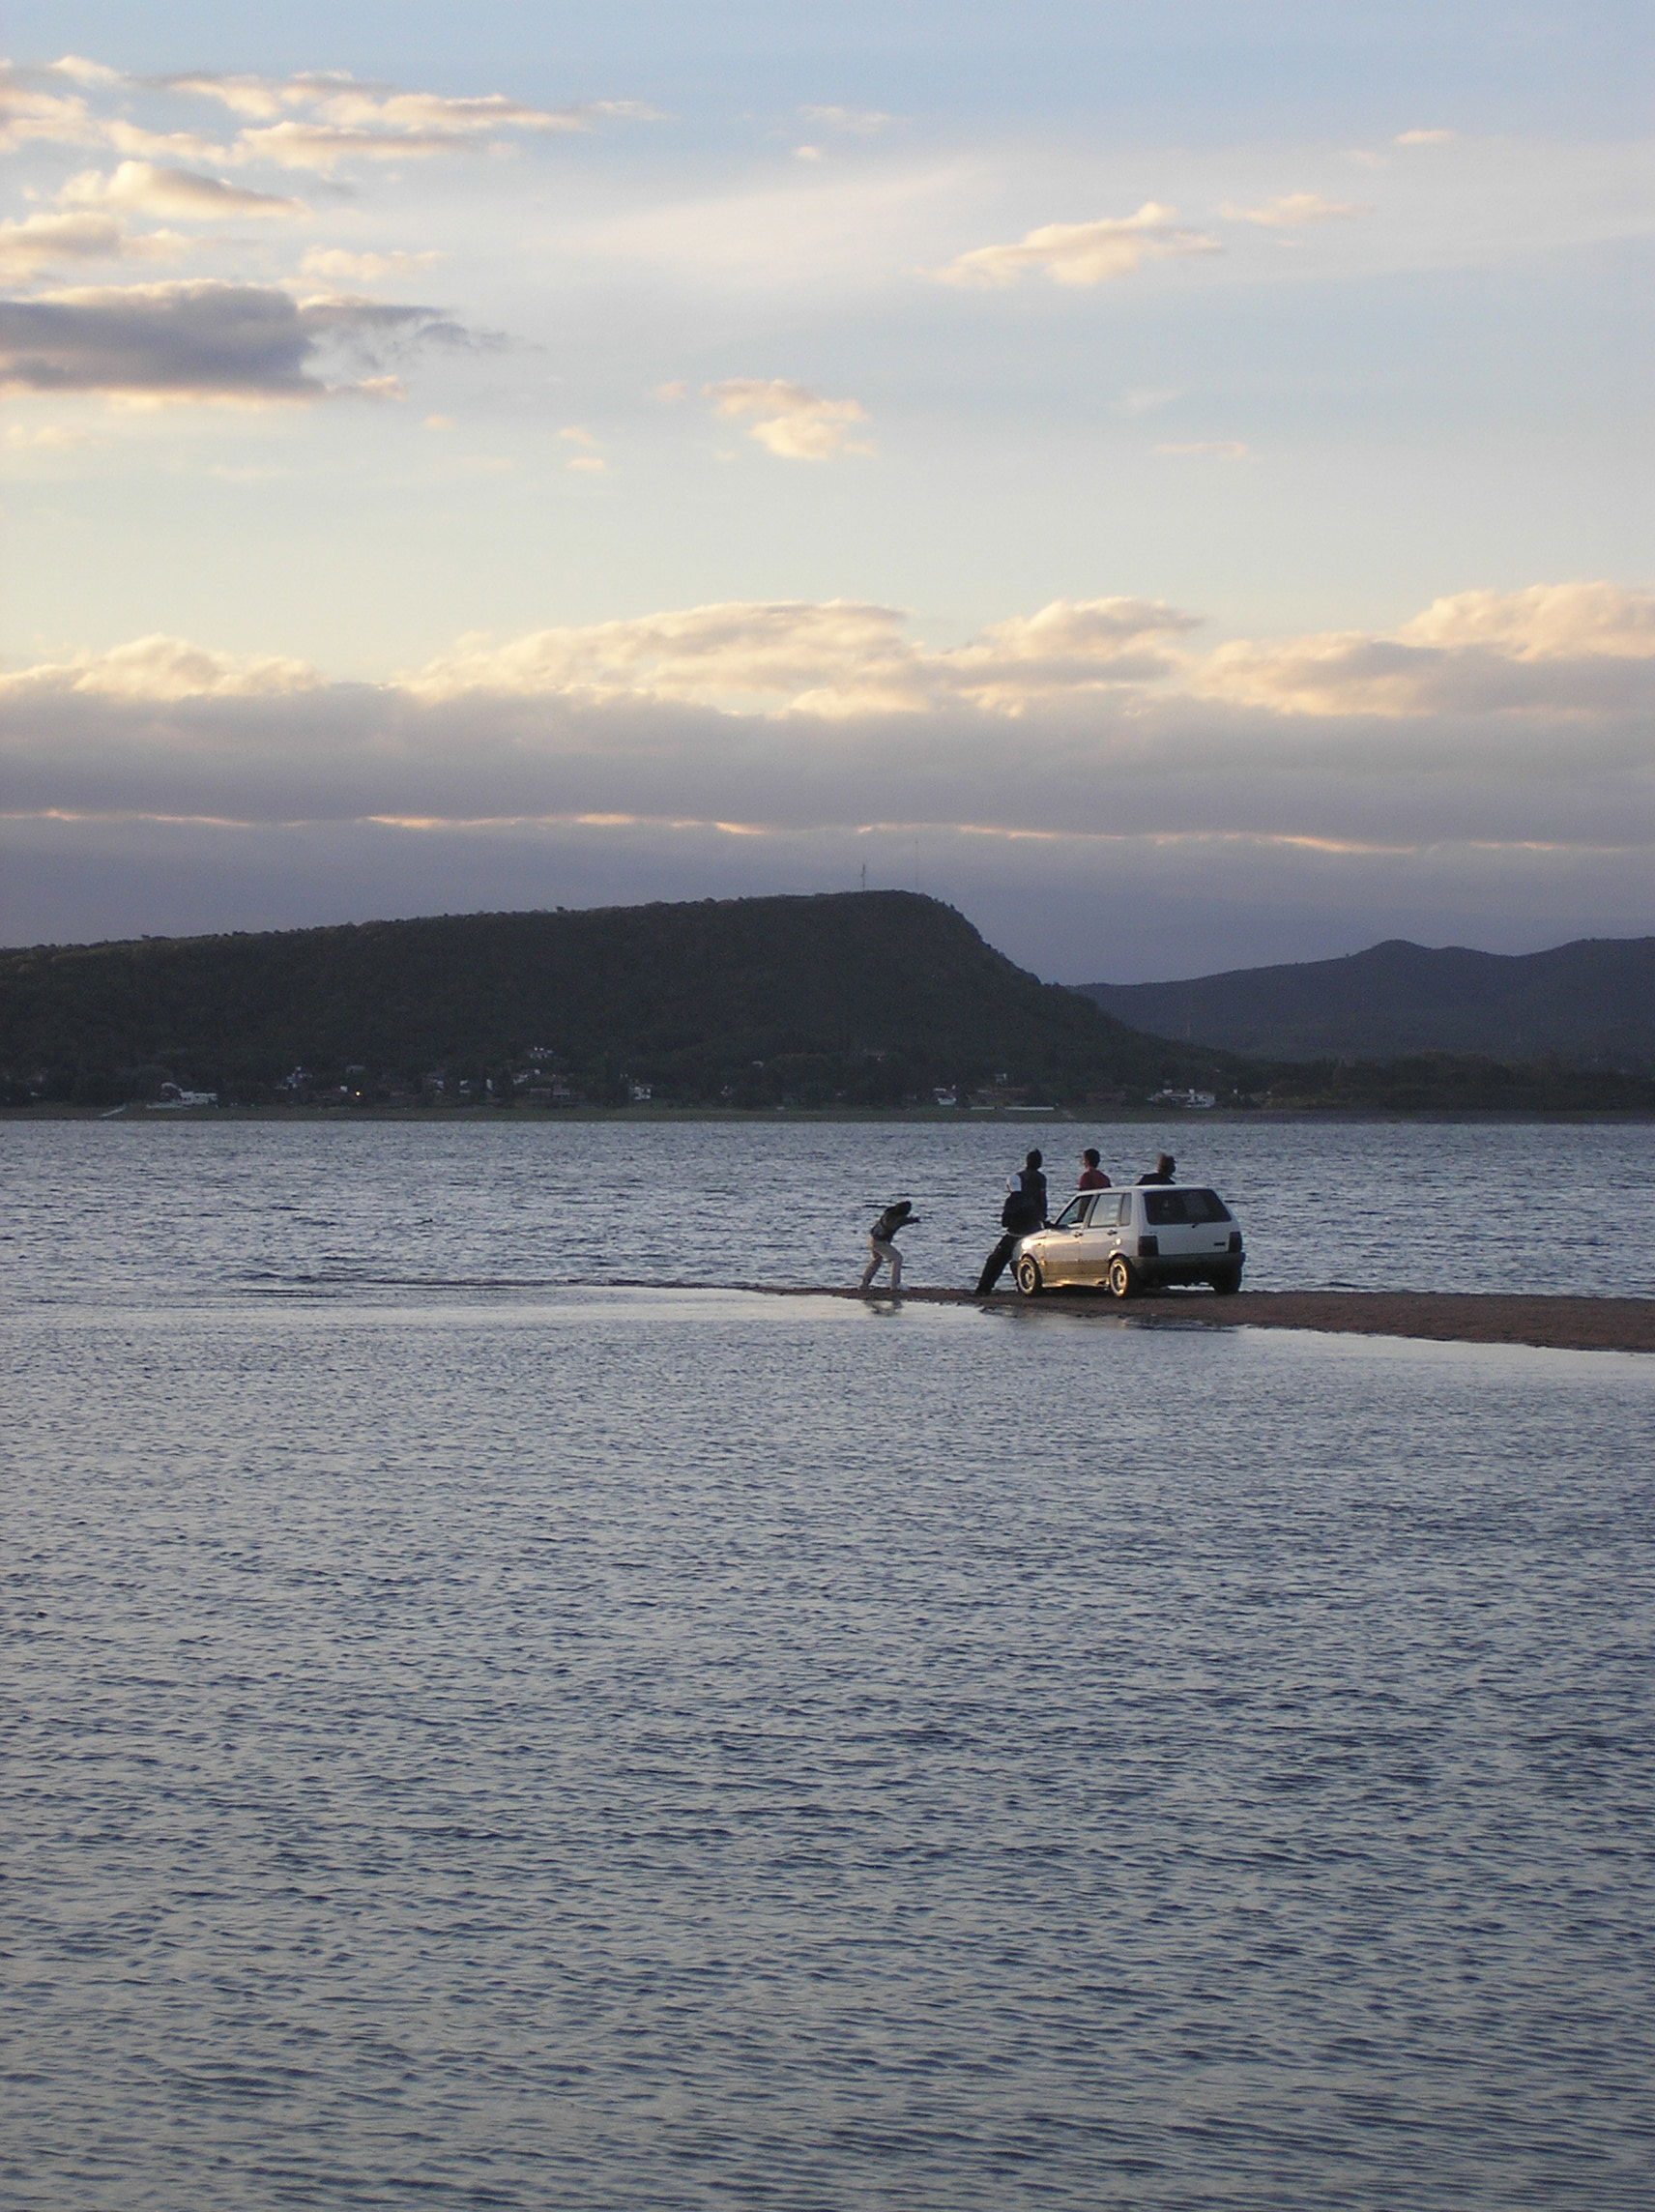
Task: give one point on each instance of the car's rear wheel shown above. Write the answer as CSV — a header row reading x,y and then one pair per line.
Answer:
x,y
1227,1281
1030,1280
1121,1279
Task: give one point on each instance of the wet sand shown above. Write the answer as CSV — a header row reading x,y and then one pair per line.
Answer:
x,y
1564,1324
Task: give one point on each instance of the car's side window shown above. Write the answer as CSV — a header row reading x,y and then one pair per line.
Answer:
x,y
1107,1211
1072,1215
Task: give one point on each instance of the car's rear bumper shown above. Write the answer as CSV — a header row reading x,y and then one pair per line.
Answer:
x,y
1192,1268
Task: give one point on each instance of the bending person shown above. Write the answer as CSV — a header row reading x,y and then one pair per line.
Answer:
x,y
881,1242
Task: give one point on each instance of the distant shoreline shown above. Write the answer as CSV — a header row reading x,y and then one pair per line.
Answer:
x,y
932,1116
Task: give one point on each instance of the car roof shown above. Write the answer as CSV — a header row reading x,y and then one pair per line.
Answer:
x,y
1135,1185
1121,1189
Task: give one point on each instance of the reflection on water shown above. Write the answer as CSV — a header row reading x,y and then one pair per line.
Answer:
x,y
582,1751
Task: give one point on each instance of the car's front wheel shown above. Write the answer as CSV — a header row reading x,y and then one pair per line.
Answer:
x,y
1030,1280
1121,1279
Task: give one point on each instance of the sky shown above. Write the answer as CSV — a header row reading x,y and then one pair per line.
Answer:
x,y
1174,483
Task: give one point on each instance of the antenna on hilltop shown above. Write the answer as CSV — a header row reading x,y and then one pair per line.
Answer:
x,y
864,875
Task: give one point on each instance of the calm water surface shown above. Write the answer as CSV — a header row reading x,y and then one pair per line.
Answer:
x,y
587,1750
133,1210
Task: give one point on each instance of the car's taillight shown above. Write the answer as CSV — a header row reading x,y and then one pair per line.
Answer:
x,y
1235,1240
1148,1247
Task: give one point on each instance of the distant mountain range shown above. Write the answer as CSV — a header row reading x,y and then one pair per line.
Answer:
x,y
857,998
871,998
1591,1004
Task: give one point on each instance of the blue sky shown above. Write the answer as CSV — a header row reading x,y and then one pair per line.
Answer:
x,y
1170,483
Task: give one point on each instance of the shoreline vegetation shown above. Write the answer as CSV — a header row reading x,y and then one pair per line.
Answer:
x,y
347,1114
842,1004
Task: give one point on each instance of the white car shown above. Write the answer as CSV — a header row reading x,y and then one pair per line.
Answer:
x,y
1134,1239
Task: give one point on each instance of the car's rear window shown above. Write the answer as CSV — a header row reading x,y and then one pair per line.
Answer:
x,y
1166,1209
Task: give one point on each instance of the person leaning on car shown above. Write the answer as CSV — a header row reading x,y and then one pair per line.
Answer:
x,y
1165,1170
1024,1212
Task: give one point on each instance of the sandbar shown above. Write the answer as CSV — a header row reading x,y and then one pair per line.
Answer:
x,y
1450,1317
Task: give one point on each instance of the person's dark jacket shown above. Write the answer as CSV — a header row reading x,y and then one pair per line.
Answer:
x,y
894,1217
1024,1212
1024,1207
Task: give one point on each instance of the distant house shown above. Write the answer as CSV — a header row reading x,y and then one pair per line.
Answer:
x,y
1193,1101
171,1096
1001,1094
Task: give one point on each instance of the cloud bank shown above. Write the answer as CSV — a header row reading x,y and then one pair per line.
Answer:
x,y
1493,758
148,188
314,120
39,243
201,341
808,714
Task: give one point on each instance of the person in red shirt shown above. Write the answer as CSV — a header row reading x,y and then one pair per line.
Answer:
x,y
1092,1176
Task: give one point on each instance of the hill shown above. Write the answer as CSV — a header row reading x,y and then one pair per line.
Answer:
x,y
862,997
1590,1002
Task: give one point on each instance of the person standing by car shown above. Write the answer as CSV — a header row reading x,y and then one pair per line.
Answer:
x,y
1092,1176
1024,1210
881,1242
1165,1170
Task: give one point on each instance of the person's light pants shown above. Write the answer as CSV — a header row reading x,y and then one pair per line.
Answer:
x,y
878,1251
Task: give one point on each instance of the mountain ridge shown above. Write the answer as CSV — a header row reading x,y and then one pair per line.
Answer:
x,y
844,999
1591,1002
855,997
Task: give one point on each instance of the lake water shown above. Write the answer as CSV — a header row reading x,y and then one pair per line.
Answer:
x,y
479,1737
121,1211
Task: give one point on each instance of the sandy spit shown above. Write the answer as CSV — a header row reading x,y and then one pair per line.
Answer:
x,y
1563,1325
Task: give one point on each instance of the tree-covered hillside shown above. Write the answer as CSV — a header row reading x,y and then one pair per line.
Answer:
x,y
862,998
